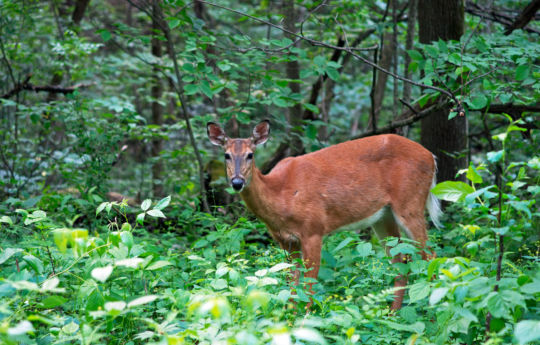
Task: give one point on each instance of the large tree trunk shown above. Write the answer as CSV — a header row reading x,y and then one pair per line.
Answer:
x,y
157,109
447,139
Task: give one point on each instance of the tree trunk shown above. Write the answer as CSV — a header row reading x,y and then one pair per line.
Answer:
x,y
447,139
293,73
157,109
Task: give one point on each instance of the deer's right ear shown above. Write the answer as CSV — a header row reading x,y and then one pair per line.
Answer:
x,y
216,135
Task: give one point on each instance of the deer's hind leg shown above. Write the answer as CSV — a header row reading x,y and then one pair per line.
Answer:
x,y
385,227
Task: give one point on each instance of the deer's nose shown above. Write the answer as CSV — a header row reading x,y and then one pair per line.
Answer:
x,y
237,183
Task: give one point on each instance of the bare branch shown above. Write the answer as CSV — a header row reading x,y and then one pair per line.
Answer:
x,y
524,17
314,42
26,85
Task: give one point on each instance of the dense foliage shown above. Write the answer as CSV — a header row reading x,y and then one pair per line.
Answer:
x,y
93,126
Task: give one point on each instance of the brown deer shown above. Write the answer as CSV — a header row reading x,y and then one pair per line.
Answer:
x,y
381,181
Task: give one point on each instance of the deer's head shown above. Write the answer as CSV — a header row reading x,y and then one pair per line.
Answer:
x,y
239,152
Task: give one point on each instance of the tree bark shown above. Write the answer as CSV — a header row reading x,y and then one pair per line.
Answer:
x,y
293,73
157,109
447,139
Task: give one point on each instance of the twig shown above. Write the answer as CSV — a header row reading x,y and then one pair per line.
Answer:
x,y
405,122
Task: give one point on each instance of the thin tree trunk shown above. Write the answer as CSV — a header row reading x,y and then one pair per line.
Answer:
x,y
447,139
387,54
157,109
293,73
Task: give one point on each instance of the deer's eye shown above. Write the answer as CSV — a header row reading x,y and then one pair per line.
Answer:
x,y
227,156
250,155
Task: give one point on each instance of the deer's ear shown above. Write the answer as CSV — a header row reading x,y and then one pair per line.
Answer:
x,y
261,132
216,134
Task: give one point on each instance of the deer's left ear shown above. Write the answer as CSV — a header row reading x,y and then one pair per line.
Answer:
x,y
216,134
261,132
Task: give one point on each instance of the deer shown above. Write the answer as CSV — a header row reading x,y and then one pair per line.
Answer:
x,y
381,181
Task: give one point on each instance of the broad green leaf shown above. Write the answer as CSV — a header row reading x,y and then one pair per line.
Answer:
x,y
132,262
50,284
21,328
527,331
452,190
156,213
495,156
101,207
140,218
146,204
418,291
7,253
119,306
158,264
142,300
204,86
219,284
308,334
332,73
6,219
342,244
415,55
478,101
473,175
53,302
364,249
173,22
417,327
522,72
102,273
280,266
437,295
163,203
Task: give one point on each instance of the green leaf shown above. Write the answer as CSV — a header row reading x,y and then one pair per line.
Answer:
x,y
473,175
105,35
495,156
163,203
158,264
156,213
204,86
7,253
527,331
101,207
478,101
173,22
53,302
496,305
415,55
280,266
190,89
417,327
332,73
437,295
219,284
309,335
455,59
102,273
522,72
142,300
6,219
146,204
140,218
313,108
364,249
342,244
418,291
452,191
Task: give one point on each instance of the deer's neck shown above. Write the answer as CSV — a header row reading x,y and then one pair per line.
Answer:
x,y
258,195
